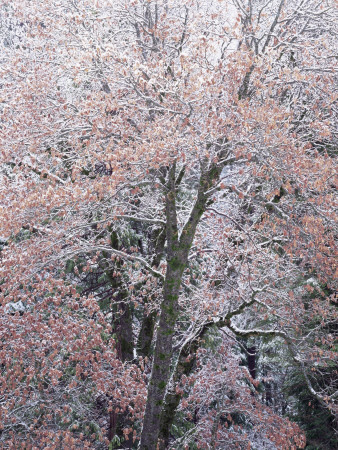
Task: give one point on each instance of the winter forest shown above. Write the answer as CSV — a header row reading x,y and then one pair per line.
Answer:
x,y
168,224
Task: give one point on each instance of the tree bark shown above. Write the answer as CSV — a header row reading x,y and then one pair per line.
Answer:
x,y
251,358
124,332
122,327
177,259
172,399
149,320
166,327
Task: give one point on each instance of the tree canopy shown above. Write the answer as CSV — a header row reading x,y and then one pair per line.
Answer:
x,y
167,223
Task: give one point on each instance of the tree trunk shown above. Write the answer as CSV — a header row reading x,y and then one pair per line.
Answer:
x,y
123,328
251,357
166,327
177,259
148,323
186,362
146,334
124,332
